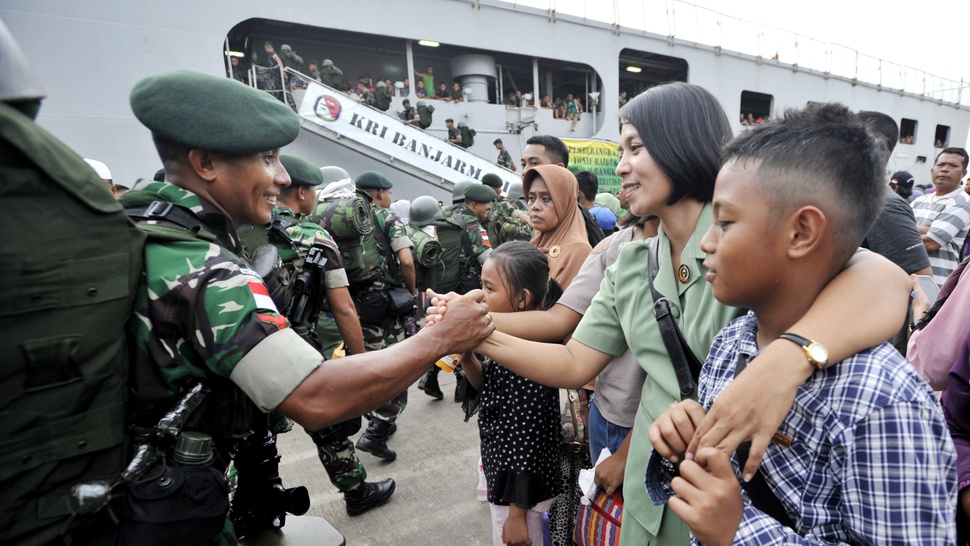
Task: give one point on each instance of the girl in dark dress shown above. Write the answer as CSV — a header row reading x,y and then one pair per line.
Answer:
x,y
518,420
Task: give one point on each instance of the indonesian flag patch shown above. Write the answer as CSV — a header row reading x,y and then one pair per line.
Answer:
x,y
261,296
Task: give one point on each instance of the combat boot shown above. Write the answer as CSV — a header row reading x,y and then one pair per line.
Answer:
x,y
374,440
368,495
431,387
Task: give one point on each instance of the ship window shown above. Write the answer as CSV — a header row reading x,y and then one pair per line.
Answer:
x,y
641,70
755,107
907,131
942,138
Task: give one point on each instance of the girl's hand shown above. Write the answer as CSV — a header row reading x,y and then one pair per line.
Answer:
x,y
515,532
439,304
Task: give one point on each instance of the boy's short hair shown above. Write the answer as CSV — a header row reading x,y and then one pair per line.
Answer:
x,y
588,184
821,155
555,148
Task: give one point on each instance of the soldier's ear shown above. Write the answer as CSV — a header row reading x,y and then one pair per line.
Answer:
x,y
202,163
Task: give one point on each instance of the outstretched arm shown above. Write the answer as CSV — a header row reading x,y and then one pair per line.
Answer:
x,y
351,386
550,326
861,307
568,366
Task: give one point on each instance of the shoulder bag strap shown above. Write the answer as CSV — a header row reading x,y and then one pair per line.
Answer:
x,y
686,365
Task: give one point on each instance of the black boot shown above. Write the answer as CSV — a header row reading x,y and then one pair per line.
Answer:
x,y
374,440
368,495
431,387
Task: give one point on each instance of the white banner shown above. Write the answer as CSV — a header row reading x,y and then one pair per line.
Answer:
x,y
384,132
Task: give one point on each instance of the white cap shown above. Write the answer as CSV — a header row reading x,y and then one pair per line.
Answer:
x,y
99,168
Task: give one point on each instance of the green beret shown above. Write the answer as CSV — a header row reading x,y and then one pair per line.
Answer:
x,y
301,171
373,180
479,193
211,113
492,180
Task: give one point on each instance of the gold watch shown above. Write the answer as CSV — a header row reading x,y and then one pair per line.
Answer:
x,y
816,353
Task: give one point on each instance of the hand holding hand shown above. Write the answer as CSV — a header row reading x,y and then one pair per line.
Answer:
x,y
467,323
674,429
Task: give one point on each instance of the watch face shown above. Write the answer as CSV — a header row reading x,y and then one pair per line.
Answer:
x,y
818,352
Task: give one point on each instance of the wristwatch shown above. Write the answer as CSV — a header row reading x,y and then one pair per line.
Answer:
x,y
817,354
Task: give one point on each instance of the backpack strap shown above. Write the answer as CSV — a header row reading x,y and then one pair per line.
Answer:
x,y
685,363
178,222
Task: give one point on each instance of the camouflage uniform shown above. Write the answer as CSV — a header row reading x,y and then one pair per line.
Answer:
x,y
379,336
504,224
481,243
198,313
504,158
335,449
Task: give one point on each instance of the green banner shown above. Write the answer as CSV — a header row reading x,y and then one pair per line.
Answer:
x,y
598,156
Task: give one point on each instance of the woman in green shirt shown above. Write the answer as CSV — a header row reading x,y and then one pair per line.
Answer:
x,y
670,143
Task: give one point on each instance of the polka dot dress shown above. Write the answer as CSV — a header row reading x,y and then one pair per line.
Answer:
x,y
520,430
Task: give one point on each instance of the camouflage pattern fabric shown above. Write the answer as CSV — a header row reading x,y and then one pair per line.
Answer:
x,y
504,224
481,243
335,450
504,158
197,313
379,336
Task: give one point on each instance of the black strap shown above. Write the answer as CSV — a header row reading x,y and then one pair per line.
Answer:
x,y
170,212
389,256
760,493
686,365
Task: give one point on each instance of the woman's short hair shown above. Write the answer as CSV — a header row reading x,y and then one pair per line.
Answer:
x,y
683,128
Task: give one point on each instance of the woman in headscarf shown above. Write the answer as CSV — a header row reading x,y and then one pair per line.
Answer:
x,y
560,233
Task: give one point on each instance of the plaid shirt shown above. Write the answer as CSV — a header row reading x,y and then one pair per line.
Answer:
x,y
870,460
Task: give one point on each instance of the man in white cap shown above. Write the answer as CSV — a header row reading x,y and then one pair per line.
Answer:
x,y
103,173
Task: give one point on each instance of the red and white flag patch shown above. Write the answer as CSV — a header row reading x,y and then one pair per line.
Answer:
x,y
261,296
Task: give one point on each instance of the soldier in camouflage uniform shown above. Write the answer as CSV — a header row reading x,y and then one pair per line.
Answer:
x,y
506,223
202,315
472,212
454,136
334,448
376,188
504,157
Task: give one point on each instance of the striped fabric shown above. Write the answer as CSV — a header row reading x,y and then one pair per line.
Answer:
x,y
598,523
948,217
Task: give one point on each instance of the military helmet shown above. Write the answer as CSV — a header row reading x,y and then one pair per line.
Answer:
x,y
514,192
458,192
18,82
332,173
462,124
422,103
285,47
425,210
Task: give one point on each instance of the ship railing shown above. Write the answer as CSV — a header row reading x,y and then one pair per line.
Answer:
x,y
678,20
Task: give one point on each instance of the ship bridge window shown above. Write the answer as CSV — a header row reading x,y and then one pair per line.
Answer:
x,y
755,107
641,70
907,131
942,138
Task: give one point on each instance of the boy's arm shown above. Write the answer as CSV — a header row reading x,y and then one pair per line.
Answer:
x,y
861,307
